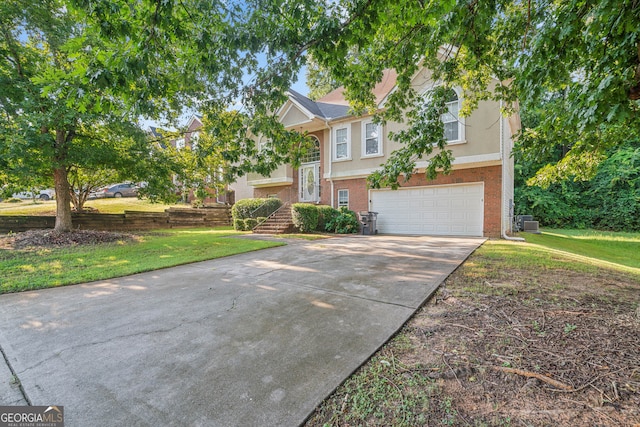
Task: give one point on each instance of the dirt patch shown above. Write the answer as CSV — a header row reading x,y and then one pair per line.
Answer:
x,y
52,239
561,350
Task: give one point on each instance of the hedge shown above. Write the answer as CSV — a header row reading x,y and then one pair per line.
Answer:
x,y
344,222
305,217
254,208
308,217
250,224
326,215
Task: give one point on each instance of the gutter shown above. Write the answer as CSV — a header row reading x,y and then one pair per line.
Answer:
x,y
504,181
326,122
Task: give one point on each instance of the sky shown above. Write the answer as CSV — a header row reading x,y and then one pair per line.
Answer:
x,y
299,86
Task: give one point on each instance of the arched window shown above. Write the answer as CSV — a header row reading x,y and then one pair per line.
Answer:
x,y
451,119
313,154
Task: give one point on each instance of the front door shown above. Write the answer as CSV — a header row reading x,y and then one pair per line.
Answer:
x,y
309,182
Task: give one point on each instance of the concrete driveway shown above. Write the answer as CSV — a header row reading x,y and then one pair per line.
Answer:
x,y
258,339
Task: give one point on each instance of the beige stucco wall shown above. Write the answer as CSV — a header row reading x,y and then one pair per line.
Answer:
x,y
291,115
481,139
281,176
242,189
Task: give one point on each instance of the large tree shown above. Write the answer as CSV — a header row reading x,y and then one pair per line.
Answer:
x,y
66,62
586,50
72,85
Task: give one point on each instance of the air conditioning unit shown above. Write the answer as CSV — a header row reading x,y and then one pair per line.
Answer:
x,y
520,219
531,227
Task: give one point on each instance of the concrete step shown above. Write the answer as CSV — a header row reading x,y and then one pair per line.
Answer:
x,y
278,223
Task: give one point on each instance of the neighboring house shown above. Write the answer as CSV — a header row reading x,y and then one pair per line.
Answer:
x,y
475,199
236,191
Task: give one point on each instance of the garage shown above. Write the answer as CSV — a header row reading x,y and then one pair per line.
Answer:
x,y
448,210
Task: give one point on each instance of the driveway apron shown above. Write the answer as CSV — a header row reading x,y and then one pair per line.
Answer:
x,y
257,339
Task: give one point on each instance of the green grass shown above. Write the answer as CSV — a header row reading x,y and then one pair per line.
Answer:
x,y
590,252
28,207
310,237
604,248
22,270
381,393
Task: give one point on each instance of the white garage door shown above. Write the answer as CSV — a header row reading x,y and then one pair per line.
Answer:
x,y
448,210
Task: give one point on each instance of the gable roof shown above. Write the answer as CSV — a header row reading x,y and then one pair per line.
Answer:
x,y
334,105
322,110
194,123
155,131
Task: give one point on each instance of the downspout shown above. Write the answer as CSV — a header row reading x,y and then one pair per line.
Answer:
x,y
504,182
326,122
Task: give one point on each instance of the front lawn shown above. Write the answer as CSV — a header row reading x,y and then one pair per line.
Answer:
x,y
600,246
36,268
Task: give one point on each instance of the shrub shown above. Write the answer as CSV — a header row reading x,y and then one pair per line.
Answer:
x,y
254,208
326,214
261,219
250,223
238,224
305,216
345,222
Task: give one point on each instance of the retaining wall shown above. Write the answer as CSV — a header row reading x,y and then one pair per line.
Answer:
x,y
215,216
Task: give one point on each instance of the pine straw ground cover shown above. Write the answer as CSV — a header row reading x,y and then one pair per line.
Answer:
x,y
522,337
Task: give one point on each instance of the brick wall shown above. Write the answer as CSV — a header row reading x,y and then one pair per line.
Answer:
x,y
491,176
358,193
286,193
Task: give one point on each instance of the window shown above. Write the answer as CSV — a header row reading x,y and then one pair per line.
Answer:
x,y
313,154
180,143
263,145
371,139
343,198
451,118
342,144
195,136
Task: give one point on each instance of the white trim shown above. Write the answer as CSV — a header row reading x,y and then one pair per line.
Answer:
x,y
300,107
343,189
348,143
319,152
315,197
461,120
465,162
329,175
363,138
193,140
262,142
268,182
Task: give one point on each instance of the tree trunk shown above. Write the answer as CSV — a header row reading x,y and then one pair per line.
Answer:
x,y
63,200
61,180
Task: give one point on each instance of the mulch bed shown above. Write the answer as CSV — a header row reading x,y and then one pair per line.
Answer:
x,y
52,239
566,358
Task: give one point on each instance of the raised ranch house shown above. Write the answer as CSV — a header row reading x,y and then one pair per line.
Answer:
x,y
476,199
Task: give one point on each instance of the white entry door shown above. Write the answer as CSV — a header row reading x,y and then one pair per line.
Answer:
x,y
454,210
309,182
